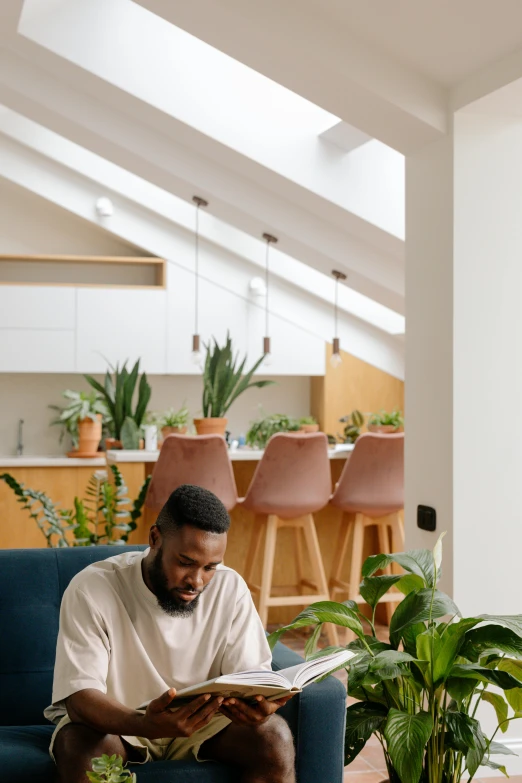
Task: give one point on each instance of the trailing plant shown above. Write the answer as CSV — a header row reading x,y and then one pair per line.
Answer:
x,y
224,380
118,392
262,430
109,769
385,419
173,418
105,516
420,693
81,405
353,421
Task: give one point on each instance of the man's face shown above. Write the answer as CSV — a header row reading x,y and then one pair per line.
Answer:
x,y
182,565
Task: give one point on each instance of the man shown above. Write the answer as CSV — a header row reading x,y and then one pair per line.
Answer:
x,y
141,625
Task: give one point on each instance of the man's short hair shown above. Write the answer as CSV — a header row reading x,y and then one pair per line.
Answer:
x,y
195,506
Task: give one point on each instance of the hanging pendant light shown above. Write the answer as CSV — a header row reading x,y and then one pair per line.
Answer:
x,y
267,352
336,358
197,356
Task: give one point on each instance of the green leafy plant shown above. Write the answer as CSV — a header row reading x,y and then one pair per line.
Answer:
x,y
173,418
420,693
118,392
353,421
385,419
307,420
81,405
105,516
223,378
262,430
109,769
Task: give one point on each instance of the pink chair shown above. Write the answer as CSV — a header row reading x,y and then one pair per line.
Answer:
x,y
202,461
370,493
291,482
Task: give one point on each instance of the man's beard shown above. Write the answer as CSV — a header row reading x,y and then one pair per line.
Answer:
x,y
168,600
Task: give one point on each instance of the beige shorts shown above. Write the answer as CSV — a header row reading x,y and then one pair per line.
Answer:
x,y
168,749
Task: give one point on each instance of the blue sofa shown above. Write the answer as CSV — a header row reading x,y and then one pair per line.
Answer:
x,y
32,582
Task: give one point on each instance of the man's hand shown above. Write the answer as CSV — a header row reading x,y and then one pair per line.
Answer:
x,y
244,714
159,722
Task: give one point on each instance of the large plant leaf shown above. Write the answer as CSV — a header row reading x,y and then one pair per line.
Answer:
x,y
451,641
409,583
144,395
417,561
511,621
461,736
476,753
472,671
492,639
409,637
129,387
373,588
406,736
497,748
460,689
500,706
362,720
322,612
389,664
130,434
417,608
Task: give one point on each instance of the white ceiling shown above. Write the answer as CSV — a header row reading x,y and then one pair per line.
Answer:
x,y
446,40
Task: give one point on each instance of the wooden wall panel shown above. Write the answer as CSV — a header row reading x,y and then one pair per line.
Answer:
x,y
353,385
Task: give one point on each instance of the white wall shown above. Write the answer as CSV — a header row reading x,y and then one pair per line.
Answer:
x,y
29,225
26,396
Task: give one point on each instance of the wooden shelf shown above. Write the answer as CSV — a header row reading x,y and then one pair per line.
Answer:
x,y
86,271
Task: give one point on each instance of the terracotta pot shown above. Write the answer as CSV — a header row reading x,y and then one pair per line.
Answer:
x,y
165,431
112,443
309,428
385,429
89,435
210,426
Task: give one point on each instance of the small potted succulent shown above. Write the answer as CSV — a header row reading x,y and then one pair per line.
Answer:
x,y
386,423
82,418
223,382
262,430
308,424
173,422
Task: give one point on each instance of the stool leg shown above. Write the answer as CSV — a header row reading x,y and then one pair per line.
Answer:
x,y
299,559
340,553
255,539
357,557
397,531
268,567
384,546
318,572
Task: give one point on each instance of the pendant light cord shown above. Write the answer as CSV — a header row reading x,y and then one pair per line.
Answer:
x,y
266,285
336,305
196,276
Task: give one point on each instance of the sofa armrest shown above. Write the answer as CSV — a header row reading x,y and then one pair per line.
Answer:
x,y
317,719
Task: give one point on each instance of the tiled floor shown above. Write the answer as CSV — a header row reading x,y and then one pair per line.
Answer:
x,y
369,766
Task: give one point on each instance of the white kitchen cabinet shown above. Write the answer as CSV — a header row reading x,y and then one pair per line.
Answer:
x,y
33,307
118,324
36,350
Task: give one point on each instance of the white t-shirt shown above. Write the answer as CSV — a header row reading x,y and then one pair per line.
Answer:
x,y
114,636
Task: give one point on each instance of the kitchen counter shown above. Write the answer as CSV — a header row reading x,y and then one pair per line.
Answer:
x,y
51,462
120,456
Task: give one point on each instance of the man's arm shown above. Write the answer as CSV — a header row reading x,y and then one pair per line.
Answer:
x,y
98,711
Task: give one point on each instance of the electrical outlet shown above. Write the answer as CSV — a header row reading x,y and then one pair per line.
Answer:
x,y
426,518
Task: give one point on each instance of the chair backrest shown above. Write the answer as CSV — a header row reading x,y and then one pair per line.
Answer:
x,y
201,460
372,481
32,582
293,477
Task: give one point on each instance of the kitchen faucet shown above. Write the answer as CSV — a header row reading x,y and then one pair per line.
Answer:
x,y
20,444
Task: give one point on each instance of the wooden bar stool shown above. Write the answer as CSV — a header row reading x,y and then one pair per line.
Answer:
x,y
370,493
291,482
202,461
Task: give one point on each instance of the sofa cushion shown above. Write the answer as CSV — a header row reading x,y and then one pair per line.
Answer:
x,y
24,757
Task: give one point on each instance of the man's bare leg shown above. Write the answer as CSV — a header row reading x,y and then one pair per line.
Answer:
x,y
75,747
264,752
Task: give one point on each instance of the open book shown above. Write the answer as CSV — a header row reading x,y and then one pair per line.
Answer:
x,y
271,685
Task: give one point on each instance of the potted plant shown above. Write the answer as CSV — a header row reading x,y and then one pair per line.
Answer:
x,y
118,393
105,516
223,382
308,424
172,422
262,430
353,423
385,422
82,418
420,693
